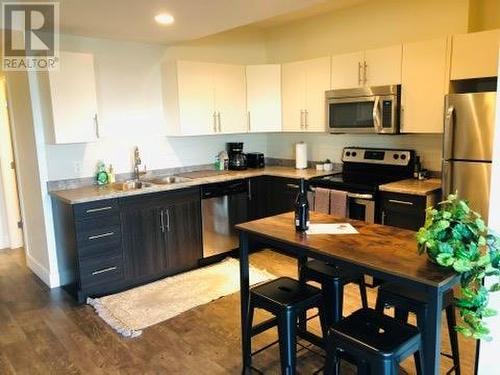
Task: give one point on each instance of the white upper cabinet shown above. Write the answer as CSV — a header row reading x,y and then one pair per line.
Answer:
x,y
73,100
424,85
475,55
304,85
347,70
204,98
264,98
383,66
374,67
230,98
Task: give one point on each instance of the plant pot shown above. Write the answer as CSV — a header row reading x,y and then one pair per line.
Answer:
x,y
328,166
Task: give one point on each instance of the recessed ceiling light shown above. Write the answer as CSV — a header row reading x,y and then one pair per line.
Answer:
x,y
164,19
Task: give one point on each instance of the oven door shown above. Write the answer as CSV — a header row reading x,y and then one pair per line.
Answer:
x,y
361,207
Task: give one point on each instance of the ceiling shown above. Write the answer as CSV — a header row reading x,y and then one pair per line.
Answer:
x,y
132,20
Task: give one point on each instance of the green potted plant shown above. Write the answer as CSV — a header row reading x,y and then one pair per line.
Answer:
x,y
455,236
327,165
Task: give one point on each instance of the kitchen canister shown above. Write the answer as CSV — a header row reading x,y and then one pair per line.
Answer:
x,y
301,155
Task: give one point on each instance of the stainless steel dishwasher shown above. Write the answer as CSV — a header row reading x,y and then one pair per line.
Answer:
x,y
223,205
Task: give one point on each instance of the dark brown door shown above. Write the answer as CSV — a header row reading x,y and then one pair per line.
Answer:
x,y
143,242
183,241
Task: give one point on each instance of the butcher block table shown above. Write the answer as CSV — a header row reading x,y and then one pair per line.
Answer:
x,y
384,252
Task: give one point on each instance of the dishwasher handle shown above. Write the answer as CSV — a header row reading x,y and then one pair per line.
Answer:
x,y
224,188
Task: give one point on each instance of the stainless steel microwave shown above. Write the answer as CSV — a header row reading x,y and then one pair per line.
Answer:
x,y
364,110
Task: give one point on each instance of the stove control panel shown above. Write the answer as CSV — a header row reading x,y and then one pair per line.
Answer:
x,y
377,156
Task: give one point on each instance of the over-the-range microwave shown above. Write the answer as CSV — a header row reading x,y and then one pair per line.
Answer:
x,y
364,110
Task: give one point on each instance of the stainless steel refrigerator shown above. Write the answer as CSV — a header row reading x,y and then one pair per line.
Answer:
x,y
468,147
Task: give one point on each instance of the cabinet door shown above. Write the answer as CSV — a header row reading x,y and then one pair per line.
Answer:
x,y
347,70
195,82
74,100
383,66
424,85
143,242
182,222
403,210
281,195
264,97
317,82
230,98
475,55
294,96
257,193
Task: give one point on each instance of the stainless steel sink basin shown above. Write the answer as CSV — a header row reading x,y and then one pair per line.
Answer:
x,y
167,180
131,185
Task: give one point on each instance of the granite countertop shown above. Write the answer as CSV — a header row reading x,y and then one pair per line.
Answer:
x,y
413,186
95,193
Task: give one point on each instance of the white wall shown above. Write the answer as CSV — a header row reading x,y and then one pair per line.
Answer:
x,y
321,146
489,351
4,228
131,110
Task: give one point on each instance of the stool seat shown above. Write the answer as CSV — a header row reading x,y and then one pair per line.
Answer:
x,y
318,270
377,333
286,292
378,343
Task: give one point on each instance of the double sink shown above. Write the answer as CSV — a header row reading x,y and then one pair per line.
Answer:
x,y
144,184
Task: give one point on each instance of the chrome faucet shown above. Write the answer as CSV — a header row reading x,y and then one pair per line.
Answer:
x,y
137,163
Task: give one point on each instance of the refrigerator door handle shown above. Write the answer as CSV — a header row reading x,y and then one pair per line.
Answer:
x,y
447,179
449,125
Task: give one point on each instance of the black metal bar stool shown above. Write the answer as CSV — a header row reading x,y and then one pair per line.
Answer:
x,y
406,300
332,280
377,341
285,298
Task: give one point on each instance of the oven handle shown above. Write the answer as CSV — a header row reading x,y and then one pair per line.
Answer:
x,y
352,195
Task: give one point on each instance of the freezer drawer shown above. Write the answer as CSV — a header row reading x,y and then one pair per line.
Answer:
x,y
472,182
469,126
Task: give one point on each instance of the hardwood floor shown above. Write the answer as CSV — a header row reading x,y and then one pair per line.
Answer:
x,y
43,331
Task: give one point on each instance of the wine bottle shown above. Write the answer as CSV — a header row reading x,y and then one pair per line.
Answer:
x,y
302,208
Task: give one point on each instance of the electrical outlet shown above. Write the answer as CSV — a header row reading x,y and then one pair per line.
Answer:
x,y
77,167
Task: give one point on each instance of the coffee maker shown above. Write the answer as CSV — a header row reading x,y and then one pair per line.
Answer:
x,y
237,159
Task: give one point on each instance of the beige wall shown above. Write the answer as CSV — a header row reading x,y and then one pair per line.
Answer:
x,y
484,15
371,24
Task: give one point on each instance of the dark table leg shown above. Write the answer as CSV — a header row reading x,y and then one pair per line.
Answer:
x,y
301,261
432,343
244,296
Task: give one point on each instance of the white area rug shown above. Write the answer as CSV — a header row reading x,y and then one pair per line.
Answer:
x,y
133,310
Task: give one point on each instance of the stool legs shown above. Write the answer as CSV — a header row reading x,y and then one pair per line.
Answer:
x,y
452,322
362,292
419,362
288,342
248,338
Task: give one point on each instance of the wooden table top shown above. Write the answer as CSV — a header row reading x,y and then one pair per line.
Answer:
x,y
379,247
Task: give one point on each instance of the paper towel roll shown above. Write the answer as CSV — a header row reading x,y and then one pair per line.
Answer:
x,y
301,155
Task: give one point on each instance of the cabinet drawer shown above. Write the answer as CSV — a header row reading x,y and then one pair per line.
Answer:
x,y
405,202
92,210
98,236
101,270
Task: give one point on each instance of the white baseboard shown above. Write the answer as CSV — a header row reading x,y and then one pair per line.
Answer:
x,y
51,279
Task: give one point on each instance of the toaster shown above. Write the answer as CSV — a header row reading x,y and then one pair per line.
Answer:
x,y
255,160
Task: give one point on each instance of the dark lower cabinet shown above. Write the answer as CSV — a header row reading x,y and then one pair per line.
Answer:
x,y
271,195
111,245
161,234
403,210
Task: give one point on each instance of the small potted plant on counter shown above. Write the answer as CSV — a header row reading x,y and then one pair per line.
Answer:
x,y
455,236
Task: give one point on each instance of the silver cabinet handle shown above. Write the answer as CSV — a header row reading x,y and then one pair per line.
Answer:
x,y
220,127
360,66
162,221
96,123
249,190
168,220
365,68
104,270
406,203
292,186
383,217
306,118
249,123
448,131
97,236
92,210
301,118
215,122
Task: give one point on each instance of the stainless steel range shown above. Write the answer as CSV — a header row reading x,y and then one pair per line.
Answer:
x,y
363,171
